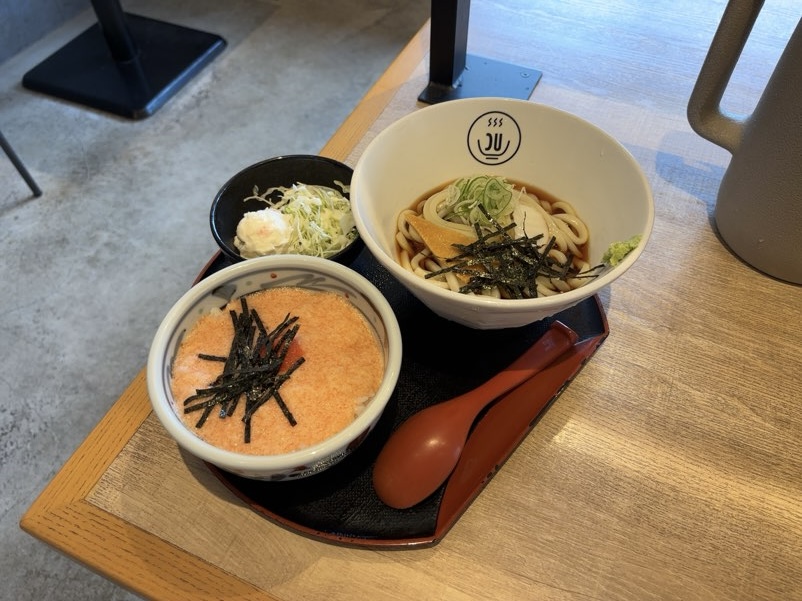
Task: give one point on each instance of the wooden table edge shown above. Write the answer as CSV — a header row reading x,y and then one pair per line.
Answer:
x,y
61,515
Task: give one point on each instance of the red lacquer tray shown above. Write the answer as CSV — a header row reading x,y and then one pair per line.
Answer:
x,y
441,360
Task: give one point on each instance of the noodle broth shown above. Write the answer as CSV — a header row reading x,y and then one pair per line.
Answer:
x,y
417,253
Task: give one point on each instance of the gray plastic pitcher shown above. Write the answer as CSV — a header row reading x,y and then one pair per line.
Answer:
x,y
758,211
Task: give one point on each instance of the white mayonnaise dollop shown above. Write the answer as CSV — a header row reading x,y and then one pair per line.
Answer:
x,y
262,233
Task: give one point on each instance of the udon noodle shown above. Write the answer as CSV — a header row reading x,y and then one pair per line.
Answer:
x,y
437,239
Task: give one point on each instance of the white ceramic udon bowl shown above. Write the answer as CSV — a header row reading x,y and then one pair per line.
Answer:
x,y
530,143
249,276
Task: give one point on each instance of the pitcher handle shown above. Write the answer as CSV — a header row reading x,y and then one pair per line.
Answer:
x,y
704,105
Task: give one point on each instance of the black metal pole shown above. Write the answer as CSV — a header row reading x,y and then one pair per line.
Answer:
x,y
111,18
449,41
15,160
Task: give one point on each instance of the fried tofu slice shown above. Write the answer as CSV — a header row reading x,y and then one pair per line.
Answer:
x,y
440,240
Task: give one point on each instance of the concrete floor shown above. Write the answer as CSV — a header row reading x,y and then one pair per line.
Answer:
x,y
89,269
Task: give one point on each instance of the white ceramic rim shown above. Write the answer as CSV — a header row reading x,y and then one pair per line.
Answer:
x,y
478,302
309,455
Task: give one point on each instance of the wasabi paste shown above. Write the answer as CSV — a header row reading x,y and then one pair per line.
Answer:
x,y
618,250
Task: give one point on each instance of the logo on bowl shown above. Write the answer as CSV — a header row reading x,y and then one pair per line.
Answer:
x,y
494,138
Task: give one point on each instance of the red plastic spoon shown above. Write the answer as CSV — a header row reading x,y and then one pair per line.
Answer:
x,y
422,452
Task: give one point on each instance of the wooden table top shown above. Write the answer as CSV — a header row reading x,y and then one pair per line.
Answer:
x,y
670,468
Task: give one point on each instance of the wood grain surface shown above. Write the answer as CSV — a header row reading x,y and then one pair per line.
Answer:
x,y
671,468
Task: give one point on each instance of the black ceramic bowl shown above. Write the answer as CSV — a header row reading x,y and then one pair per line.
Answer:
x,y
229,205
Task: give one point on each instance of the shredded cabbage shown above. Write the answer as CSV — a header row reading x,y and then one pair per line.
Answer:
x,y
320,217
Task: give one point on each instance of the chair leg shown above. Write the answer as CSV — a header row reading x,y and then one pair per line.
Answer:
x,y
20,167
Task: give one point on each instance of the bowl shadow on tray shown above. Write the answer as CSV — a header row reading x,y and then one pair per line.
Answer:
x,y
441,359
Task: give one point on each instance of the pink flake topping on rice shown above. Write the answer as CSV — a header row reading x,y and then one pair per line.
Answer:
x,y
342,369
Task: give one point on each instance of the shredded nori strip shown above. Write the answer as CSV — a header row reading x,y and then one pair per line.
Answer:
x,y
497,260
251,371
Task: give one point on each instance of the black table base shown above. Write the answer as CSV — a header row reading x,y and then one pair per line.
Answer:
x,y
454,74
125,64
484,77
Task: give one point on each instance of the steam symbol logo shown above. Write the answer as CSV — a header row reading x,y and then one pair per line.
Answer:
x,y
494,138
